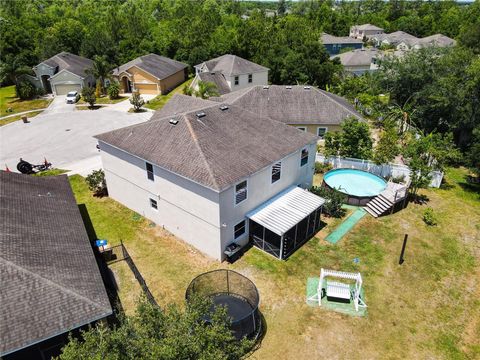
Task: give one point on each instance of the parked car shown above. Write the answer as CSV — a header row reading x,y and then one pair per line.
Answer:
x,y
73,97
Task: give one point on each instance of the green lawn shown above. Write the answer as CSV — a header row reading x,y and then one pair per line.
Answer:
x,y
8,100
159,101
11,119
429,307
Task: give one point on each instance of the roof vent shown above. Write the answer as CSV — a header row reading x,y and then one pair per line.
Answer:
x,y
265,87
201,114
306,87
223,107
173,121
288,87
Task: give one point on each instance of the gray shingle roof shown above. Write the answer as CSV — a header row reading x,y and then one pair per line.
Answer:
x,y
396,37
436,40
180,104
357,57
367,27
328,39
218,79
216,150
49,279
231,65
73,63
298,105
159,66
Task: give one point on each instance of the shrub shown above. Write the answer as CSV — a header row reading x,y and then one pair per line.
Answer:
x,y
88,95
137,101
429,217
98,89
333,201
113,90
321,168
25,90
398,179
96,182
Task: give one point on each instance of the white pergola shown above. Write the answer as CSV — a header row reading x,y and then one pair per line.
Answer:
x,y
338,289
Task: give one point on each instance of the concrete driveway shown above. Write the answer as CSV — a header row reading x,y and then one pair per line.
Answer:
x,y
59,105
63,136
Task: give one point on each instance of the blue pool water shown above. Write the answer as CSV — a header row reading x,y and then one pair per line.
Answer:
x,y
355,182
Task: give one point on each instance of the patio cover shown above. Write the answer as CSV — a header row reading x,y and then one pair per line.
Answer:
x,y
285,210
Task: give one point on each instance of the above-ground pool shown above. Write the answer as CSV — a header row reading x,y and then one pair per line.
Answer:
x,y
359,186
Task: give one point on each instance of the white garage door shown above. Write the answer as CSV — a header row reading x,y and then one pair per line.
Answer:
x,y
63,89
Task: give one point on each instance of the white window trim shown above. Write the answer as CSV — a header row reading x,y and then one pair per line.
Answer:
x,y
235,82
244,229
150,202
308,157
153,171
235,193
322,127
271,173
250,76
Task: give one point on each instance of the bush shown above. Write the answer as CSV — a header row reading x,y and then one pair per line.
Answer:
x,y
398,179
113,90
137,101
321,168
88,95
96,183
429,217
333,201
25,90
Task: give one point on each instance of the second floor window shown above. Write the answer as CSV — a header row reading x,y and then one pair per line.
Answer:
x,y
240,192
276,171
237,80
250,78
304,157
149,168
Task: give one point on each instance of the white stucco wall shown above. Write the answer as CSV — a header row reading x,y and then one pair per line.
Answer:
x,y
261,189
186,209
259,78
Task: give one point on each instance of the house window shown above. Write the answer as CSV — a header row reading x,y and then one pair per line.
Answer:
x,y
237,80
276,171
321,131
239,229
153,204
240,192
250,78
302,128
149,168
304,157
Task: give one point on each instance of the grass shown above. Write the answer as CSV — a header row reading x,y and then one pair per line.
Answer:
x,y
51,172
9,100
159,101
426,308
11,119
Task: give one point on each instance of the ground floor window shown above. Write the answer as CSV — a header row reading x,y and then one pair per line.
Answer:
x,y
239,229
153,204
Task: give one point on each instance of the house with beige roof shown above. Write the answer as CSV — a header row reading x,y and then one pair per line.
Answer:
x,y
230,73
214,174
151,74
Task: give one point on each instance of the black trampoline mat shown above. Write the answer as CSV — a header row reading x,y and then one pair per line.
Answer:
x,y
237,308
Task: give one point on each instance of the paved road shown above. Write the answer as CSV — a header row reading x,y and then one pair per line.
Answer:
x,y
62,135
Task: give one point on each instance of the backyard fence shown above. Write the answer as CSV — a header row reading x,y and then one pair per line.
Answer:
x,y
384,170
119,253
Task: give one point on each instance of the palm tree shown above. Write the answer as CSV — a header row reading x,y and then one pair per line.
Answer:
x,y
100,70
206,89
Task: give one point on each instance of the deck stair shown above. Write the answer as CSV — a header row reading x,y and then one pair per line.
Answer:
x,y
384,202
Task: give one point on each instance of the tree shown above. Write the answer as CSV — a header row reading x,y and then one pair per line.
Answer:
x,y
113,90
387,147
206,89
334,201
353,141
88,95
187,90
137,101
96,182
165,334
100,71
25,90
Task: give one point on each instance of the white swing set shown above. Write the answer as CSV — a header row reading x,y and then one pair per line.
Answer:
x,y
338,289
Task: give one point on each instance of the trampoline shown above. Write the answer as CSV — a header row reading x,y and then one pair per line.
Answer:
x,y
236,293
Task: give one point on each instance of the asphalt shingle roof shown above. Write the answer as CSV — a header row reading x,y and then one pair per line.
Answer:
x,y
216,150
159,66
180,104
231,65
357,57
73,63
297,105
218,79
49,279
330,39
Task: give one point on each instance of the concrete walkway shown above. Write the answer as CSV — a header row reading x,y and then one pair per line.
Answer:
x,y
345,226
21,113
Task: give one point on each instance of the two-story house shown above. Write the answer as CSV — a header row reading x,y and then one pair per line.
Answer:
x,y
217,175
335,44
365,31
230,73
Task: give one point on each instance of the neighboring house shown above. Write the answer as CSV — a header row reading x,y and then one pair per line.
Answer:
x,y
392,39
230,73
437,40
334,44
209,174
151,74
49,278
359,61
364,31
62,73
